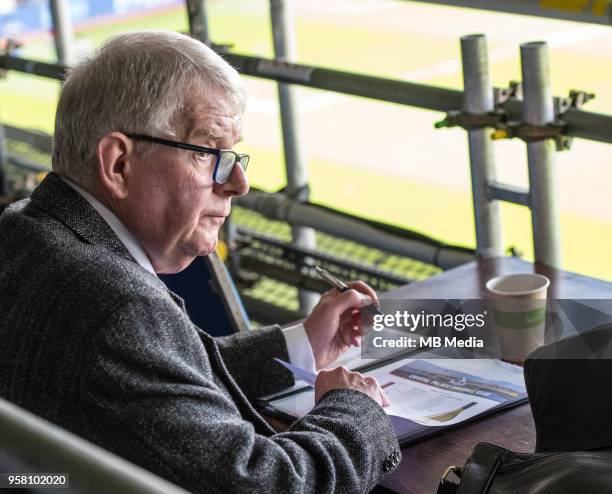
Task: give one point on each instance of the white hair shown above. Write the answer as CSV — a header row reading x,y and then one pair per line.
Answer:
x,y
136,82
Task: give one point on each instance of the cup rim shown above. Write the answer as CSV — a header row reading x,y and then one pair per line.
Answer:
x,y
492,281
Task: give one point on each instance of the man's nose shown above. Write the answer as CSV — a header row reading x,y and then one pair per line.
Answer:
x,y
237,185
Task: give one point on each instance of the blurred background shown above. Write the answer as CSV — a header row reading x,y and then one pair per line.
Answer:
x,y
376,160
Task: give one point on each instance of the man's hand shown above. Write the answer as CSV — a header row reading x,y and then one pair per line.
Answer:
x,y
342,378
335,323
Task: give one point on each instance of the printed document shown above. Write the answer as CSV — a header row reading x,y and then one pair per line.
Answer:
x,y
433,393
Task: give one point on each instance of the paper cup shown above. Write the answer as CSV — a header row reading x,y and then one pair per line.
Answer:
x,y
519,313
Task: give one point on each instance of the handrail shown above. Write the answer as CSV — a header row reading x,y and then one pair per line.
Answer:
x,y
580,123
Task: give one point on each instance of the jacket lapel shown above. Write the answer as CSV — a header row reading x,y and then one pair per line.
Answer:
x,y
178,300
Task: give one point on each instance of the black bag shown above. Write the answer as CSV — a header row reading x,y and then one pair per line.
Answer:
x,y
568,383
495,470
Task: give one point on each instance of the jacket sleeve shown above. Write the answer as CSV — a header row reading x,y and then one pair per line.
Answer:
x,y
149,395
249,356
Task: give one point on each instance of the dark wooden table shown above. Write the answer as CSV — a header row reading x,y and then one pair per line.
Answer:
x,y
424,462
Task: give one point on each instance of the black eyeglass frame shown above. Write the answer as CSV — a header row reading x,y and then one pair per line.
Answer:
x,y
238,158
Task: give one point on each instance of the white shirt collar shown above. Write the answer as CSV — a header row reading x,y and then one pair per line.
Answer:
x,y
127,238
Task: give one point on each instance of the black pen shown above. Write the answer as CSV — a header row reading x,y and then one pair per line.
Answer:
x,y
341,286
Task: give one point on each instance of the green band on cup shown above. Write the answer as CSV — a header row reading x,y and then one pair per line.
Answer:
x,y
520,320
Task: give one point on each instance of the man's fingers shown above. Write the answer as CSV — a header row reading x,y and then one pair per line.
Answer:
x,y
329,294
346,333
350,329
360,295
366,289
341,377
376,388
350,325
357,323
346,319
350,317
347,301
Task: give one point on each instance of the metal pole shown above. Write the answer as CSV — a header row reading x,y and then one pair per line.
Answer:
x,y
198,21
63,34
582,124
295,163
538,109
478,99
279,207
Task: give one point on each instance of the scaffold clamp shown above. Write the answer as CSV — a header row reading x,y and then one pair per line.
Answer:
x,y
502,95
557,130
508,129
533,133
496,118
471,121
576,99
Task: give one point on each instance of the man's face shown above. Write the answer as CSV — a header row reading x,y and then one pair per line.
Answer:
x,y
174,207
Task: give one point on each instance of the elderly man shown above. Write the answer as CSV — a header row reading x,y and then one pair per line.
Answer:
x,y
92,339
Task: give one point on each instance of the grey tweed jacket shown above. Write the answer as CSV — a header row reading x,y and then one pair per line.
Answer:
x,y
98,345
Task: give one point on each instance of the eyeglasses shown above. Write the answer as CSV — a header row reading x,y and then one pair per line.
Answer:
x,y
224,164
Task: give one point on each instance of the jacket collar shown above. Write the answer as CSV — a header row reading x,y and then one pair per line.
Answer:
x,y
61,201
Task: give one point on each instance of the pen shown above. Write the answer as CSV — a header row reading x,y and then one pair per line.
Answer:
x,y
340,285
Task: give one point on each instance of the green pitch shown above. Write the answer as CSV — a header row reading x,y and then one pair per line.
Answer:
x,y
368,43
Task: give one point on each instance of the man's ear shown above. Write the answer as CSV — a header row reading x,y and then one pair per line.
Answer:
x,y
114,151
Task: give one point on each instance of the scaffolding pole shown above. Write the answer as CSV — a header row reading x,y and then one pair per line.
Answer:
x,y
478,100
63,34
198,20
295,163
538,109
283,208
580,123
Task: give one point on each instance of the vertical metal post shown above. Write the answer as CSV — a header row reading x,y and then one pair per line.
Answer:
x,y
478,99
198,21
63,34
538,109
295,164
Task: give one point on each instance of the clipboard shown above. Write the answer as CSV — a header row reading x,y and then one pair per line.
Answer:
x,y
407,431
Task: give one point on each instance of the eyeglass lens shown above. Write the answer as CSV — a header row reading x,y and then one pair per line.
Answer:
x,y
227,159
